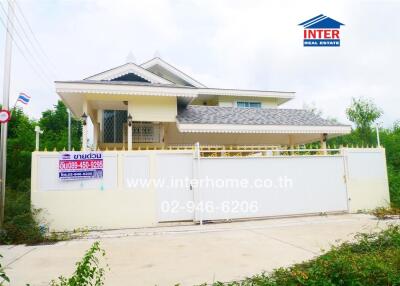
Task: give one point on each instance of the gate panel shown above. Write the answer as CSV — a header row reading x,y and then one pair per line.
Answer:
x,y
174,193
275,186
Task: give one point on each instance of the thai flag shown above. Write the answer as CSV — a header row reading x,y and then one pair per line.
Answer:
x,y
23,98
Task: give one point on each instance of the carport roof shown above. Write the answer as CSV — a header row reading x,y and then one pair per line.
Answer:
x,y
194,114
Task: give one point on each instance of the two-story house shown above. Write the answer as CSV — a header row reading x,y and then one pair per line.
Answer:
x,y
158,106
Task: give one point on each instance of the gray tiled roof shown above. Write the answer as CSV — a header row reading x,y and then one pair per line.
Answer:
x,y
198,114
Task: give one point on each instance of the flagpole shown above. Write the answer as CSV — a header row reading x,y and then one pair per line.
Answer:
x,y
69,130
6,106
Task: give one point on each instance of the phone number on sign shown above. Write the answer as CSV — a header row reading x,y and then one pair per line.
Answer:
x,y
210,206
80,164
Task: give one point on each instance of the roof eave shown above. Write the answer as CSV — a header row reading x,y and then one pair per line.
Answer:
x,y
104,88
282,96
274,129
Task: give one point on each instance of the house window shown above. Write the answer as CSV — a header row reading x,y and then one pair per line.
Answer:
x,y
113,122
248,104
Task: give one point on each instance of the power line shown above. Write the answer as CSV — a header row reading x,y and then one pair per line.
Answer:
x,y
22,53
40,48
25,45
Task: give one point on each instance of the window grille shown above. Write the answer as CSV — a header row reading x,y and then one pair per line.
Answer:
x,y
113,122
146,132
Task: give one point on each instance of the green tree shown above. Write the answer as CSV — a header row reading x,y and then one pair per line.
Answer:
x,y
54,123
363,112
20,144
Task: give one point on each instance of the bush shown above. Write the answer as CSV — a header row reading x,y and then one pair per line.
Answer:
x,y
373,259
20,221
394,186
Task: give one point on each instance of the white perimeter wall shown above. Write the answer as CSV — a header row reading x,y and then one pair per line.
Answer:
x,y
356,180
110,202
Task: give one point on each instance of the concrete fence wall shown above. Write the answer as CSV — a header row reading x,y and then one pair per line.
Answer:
x,y
105,203
352,181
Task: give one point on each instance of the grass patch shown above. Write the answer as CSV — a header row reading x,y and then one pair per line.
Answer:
x,y
386,213
372,259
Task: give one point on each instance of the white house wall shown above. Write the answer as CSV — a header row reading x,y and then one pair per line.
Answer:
x,y
158,109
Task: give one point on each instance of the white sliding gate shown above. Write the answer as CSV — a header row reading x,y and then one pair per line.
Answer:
x,y
271,186
245,187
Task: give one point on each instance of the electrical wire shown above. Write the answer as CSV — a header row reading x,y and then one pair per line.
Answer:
x,y
28,50
22,52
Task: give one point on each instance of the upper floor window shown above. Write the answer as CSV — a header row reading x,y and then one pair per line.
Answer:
x,y
248,104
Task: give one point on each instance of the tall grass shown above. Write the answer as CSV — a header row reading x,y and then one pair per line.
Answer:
x,y
372,259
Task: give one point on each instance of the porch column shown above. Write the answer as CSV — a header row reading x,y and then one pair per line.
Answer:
x,y
291,145
324,136
96,131
130,125
84,125
129,131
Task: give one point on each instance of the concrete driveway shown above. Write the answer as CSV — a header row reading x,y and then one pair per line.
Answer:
x,y
190,254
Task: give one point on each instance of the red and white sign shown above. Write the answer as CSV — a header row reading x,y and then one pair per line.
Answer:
x,y
5,116
80,165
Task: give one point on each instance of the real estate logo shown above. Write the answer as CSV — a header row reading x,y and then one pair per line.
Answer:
x,y
321,31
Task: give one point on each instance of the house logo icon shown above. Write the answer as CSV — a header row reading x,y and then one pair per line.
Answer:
x,y
66,156
321,31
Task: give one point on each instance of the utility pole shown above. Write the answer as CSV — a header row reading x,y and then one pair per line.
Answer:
x,y
6,106
69,130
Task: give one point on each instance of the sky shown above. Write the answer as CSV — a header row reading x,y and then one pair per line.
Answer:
x,y
229,44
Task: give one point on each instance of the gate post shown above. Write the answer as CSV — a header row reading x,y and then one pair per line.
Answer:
x,y
197,195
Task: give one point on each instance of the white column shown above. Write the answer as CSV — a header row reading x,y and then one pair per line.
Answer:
x,y
291,144
129,133
96,131
84,126
129,137
323,144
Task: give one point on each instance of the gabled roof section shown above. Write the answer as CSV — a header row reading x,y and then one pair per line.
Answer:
x,y
167,71
130,77
129,68
321,22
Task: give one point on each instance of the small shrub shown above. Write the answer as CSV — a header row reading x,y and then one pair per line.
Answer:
x,y
3,275
88,271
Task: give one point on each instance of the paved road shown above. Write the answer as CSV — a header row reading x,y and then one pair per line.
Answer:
x,y
189,254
